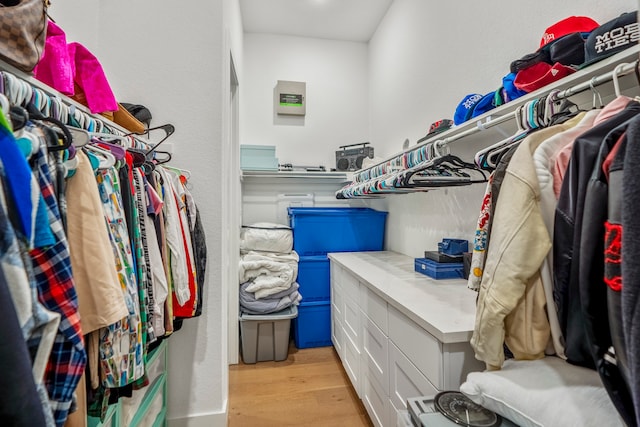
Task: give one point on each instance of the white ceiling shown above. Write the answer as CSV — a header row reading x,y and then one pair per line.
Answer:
x,y
352,20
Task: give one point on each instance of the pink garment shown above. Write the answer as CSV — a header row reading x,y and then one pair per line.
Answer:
x,y
71,69
91,79
56,68
564,155
155,201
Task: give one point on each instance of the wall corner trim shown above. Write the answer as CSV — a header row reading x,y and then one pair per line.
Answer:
x,y
217,419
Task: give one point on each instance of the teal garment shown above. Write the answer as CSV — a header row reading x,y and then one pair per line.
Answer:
x,y
43,236
93,159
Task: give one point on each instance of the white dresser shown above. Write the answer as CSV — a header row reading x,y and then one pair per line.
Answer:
x,y
399,334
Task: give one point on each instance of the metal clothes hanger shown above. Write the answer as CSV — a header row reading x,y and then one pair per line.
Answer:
x,y
614,78
596,95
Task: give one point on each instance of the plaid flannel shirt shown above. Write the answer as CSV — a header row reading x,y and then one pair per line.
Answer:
x,y
52,269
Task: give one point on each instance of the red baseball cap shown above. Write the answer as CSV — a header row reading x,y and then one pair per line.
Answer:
x,y
572,24
540,75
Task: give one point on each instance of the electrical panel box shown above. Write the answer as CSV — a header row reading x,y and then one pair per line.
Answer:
x,y
291,98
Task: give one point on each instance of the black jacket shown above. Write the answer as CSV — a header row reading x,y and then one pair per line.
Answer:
x,y
567,239
630,294
599,291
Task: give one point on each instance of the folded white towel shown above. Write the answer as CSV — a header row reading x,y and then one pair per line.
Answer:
x,y
269,273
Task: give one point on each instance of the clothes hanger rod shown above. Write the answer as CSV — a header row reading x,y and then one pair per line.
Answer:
x,y
479,127
53,93
622,70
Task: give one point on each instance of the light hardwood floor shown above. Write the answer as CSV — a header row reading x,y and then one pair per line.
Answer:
x,y
309,389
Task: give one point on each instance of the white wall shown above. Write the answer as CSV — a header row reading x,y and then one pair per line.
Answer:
x,y
176,62
423,59
336,74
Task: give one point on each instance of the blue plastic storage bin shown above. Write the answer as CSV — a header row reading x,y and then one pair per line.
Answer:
x,y
439,270
314,278
317,231
312,327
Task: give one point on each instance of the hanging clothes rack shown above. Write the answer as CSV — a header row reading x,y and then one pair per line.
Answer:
x,y
134,237
47,100
613,75
364,182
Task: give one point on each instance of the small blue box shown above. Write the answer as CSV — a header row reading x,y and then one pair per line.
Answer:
x,y
439,270
314,278
453,247
258,157
317,231
312,327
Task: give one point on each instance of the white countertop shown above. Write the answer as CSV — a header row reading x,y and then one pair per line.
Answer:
x,y
445,308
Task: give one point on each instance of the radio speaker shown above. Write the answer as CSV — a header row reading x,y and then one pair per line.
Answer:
x,y
350,159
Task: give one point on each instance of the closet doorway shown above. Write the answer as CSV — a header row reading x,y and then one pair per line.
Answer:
x,y
232,212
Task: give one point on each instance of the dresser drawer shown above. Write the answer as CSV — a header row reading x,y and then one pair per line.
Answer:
x,y
352,321
422,348
337,334
350,285
375,307
336,273
405,380
337,301
375,347
351,363
375,399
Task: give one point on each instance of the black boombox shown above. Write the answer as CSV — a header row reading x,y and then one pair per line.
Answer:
x,y
351,159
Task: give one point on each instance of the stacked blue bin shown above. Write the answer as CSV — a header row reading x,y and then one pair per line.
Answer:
x,y
316,232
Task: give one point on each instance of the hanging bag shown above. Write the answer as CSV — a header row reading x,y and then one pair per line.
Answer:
x,y
23,27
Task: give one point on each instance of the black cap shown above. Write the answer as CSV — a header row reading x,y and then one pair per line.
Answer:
x,y
138,111
567,50
612,37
